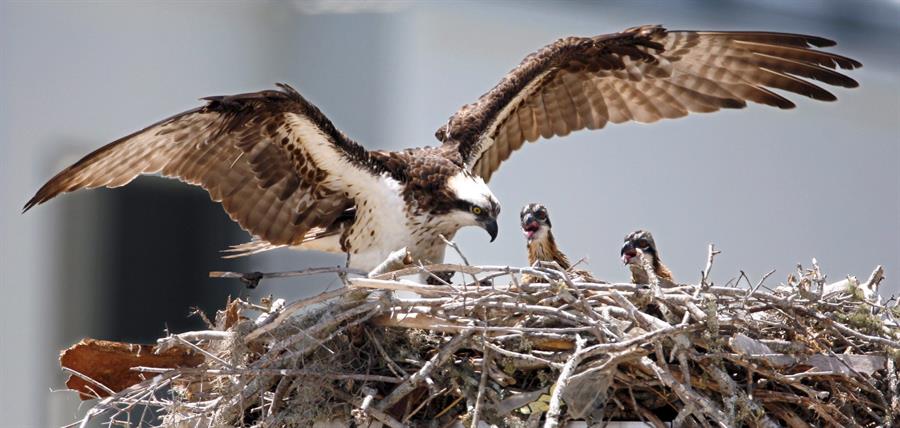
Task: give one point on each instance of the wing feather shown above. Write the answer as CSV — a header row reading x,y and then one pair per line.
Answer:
x,y
277,176
618,106
512,133
580,103
599,111
542,117
666,105
642,74
529,126
568,108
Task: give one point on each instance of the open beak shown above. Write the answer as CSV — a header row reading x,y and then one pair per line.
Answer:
x,y
628,252
491,227
530,226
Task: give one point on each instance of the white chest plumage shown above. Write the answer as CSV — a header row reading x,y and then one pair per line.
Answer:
x,y
385,224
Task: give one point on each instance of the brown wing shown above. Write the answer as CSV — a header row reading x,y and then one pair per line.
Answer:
x,y
642,74
274,161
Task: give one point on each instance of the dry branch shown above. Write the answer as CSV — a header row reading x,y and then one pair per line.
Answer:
x,y
806,354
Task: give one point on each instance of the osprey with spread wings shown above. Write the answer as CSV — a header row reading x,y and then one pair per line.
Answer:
x,y
283,171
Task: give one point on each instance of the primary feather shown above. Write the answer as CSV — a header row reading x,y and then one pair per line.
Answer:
x,y
288,176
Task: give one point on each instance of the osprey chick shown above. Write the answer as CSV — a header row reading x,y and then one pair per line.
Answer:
x,y
287,175
536,226
640,244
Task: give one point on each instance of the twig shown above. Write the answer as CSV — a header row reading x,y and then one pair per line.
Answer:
x,y
252,279
291,309
734,365
462,256
562,381
761,282
875,279
271,372
397,370
90,380
392,285
413,381
819,279
173,340
375,413
686,395
734,393
894,388
278,397
704,278
482,384
394,261
455,247
193,347
423,404
524,357
362,413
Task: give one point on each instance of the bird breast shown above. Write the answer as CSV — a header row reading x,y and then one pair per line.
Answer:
x,y
385,223
382,224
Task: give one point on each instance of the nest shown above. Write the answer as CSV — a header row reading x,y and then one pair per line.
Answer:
x,y
491,348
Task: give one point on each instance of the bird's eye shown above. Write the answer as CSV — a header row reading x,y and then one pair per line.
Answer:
x,y
477,210
643,244
541,215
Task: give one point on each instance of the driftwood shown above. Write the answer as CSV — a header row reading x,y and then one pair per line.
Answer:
x,y
489,349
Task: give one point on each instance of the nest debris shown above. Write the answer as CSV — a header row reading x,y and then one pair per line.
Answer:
x,y
495,350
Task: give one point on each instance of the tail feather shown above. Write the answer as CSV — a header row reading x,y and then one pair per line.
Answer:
x,y
257,245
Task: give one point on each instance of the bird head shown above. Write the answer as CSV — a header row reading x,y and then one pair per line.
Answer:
x,y
535,221
636,243
474,204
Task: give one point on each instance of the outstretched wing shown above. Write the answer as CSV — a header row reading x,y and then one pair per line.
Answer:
x,y
278,166
642,74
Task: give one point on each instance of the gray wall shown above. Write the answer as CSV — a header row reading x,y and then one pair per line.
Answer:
x,y
770,188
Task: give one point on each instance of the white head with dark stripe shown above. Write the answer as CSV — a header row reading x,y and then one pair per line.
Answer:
x,y
535,221
473,203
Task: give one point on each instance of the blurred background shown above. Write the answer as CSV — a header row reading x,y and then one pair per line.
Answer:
x,y
770,188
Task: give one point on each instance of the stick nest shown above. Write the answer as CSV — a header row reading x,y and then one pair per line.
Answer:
x,y
494,349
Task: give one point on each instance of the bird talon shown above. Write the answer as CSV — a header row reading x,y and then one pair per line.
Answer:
x,y
251,279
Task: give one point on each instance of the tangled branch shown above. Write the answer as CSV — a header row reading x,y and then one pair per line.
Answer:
x,y
806,353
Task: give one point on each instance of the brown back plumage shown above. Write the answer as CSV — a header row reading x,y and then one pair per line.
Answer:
x,y
643,74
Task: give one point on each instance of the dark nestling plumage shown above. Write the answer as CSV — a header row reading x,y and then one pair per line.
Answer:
x,y
283,171
641,243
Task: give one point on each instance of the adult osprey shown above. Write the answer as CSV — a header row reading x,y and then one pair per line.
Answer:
x,y
284,172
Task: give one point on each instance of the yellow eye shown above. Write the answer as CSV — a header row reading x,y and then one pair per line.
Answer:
x,y
476,210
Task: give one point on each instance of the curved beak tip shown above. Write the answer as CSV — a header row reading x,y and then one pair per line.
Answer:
x,y
492,229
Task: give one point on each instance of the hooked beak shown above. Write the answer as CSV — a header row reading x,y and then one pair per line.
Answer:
x,y
628,252
490,226
530,226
